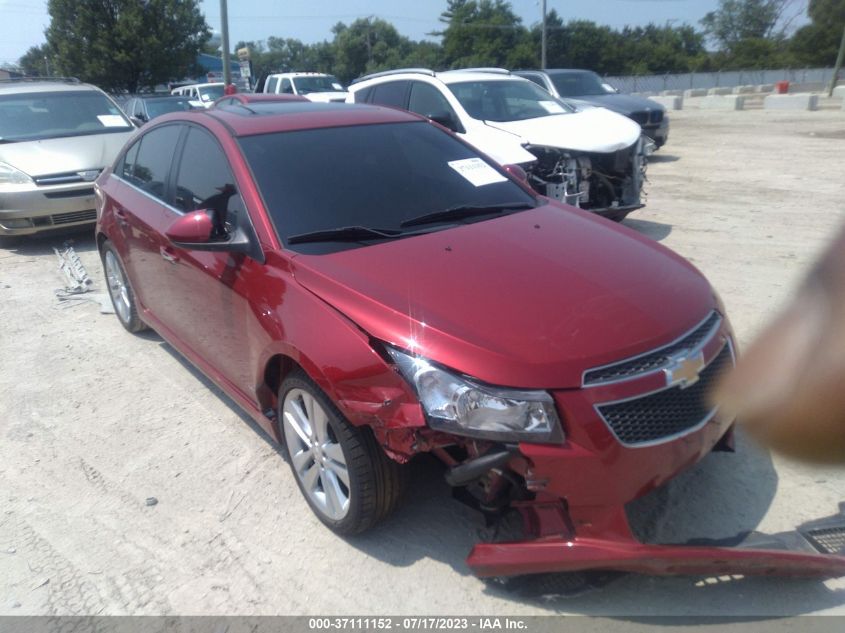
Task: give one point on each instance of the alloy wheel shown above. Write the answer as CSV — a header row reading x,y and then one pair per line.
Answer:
x,y
316,454
117,287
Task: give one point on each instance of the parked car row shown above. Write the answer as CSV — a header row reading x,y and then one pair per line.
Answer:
x,y
370,286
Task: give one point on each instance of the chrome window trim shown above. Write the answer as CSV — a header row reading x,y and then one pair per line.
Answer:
x,y
148,194
673,436
707,338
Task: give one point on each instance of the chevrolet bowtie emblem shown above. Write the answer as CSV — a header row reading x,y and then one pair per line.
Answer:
x,y
684,370
88,176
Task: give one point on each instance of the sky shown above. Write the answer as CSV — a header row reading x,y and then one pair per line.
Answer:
x,y
22,22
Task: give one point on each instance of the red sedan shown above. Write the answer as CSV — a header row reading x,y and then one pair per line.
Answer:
x,y
368,287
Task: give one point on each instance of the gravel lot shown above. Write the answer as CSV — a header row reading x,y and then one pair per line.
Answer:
x,y
94,421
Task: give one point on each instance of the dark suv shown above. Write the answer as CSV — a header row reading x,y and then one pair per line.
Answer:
x,y
586,86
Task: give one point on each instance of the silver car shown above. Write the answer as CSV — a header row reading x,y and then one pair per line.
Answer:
x,y
55,138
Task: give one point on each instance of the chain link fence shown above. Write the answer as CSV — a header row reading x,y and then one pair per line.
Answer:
x,y
807,78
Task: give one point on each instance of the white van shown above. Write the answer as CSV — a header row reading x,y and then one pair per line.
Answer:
x,y
312,86
201,95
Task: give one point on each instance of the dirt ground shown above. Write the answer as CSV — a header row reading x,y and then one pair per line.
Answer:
x,y
95,421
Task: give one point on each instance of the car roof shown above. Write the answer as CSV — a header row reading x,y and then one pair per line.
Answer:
x,y
269,117
300,74
579,71
163,97
447,76
17,86
213,83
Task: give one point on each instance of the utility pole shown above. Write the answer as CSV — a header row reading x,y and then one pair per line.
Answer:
x,y
543,40
224,43
840,59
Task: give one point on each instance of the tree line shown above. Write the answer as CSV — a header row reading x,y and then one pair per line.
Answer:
x,y
132,44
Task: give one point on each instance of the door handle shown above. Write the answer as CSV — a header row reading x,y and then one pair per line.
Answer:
x,y
120,214
168,255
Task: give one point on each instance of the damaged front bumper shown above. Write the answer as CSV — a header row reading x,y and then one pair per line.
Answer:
x,y
814,549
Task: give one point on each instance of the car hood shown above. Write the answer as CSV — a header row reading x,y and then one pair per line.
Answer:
x,y
60,155
528,300
623,104
325,97
590,130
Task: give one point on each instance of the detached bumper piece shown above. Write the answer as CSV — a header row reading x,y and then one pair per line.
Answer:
x,y
816,549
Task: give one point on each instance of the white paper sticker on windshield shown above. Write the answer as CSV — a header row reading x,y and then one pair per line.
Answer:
x,y
551,107
337,86
111,120
477,171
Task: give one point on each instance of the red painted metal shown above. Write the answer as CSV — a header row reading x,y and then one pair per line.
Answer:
x,y
587,553
528,300
192,228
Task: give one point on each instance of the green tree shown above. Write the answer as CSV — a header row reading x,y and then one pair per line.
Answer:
x,y
38,61
738,20
818,43
126,44
485,33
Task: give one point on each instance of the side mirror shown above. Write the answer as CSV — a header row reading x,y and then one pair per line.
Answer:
x,y
193,232
191,229
517,172
609,88
446,119
136,121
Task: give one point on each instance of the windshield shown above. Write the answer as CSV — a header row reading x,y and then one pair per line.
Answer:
x,y
40,115
578,84
502,101
370,176
211,93
157,107
327,83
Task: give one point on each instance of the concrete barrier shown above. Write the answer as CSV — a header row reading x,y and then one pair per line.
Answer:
x,y
791,102
695,92
744,90
672,93
839,92
766,88
722,102
670,103
719,91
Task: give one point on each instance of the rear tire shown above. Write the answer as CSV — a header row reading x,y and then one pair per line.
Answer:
x,y
342,472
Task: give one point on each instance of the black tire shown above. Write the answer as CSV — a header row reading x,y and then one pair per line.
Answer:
x,y
124,303
376,482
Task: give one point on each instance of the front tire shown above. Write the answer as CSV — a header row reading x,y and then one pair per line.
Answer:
x,y
120,290
341,471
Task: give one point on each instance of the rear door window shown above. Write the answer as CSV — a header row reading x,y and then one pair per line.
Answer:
x,y
153,161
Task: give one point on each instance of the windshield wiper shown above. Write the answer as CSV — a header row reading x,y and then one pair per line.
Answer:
x,y
344,234
465,211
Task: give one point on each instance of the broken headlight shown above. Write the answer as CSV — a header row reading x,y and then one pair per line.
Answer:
x,y
455,404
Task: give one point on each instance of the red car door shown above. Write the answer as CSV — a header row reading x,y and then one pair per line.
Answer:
x,y
142,215
209,309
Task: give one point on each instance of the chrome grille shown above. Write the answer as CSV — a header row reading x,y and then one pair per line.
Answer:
x,y
659,416
65,178
828,540
656,359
